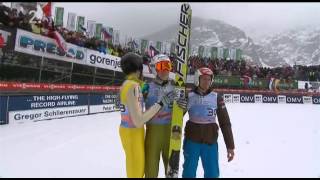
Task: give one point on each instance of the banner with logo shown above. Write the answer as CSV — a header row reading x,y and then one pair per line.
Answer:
x,y
32,108
273,99
103,102
226,81
24,109
247,98
316,99
29,43
254,83
58,20
105,61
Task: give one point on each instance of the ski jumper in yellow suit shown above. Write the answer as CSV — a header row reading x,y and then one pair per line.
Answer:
x,y
132,125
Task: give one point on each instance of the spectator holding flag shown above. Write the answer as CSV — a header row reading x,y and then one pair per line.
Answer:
x,y
152,51
106,34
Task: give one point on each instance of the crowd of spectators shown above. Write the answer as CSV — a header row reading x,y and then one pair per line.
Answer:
x,y
16,19
241,68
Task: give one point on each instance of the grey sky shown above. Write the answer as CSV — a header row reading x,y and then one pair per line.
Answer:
x,y
138,19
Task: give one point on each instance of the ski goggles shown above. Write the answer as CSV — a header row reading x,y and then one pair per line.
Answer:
x,y
163,66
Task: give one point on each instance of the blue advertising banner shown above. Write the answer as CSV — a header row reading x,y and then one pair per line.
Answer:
x,y
106,98
3,110
247,98
269,99
294,100
316,99
43,107
103,102
46,101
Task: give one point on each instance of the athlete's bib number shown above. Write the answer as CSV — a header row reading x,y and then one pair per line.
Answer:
x,y
211,112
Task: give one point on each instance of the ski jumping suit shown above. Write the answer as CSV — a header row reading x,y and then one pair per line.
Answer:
x,y
201,133
158,129
131,128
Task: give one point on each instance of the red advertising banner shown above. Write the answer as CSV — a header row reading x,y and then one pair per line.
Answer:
x,y
15,86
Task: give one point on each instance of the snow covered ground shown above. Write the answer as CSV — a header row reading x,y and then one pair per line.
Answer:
x,y
272,140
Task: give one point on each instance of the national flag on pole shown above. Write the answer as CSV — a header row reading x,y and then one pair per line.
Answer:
x,y
46,9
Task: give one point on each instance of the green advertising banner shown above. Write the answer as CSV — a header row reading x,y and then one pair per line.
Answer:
x,y
262,84
225,53
220,53
284,84
214,52
254,83
112,35
98,31
226,81
238,54
144,45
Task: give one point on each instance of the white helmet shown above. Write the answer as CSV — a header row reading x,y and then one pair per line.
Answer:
x,y
156,59
202,71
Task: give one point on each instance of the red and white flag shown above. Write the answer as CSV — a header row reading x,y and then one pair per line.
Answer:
x,y
46,8
60,41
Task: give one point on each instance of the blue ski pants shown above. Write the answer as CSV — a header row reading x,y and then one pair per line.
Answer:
x,y
209,158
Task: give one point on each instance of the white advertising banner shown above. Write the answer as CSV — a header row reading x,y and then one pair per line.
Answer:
x,y
105,61
258,98
71,22
227,98
102,108
17,117
236,98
